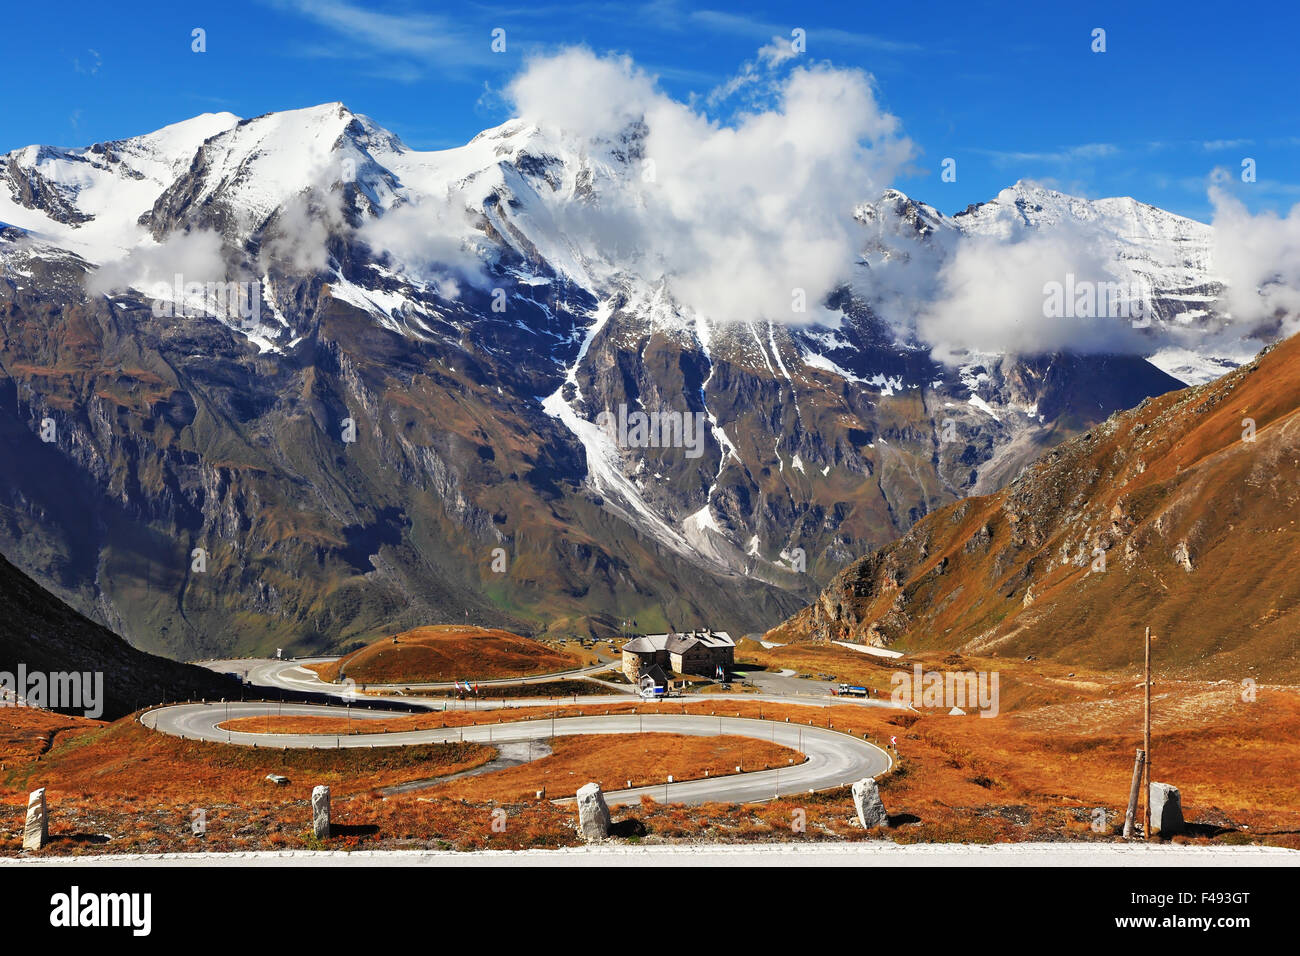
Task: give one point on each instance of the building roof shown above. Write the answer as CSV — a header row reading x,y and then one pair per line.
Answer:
x,y
656,674
717,639
678,643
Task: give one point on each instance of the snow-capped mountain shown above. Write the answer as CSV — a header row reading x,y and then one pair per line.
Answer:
x,y
1167,257
471,313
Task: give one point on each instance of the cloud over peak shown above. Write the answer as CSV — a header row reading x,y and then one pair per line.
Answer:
x,y
735,216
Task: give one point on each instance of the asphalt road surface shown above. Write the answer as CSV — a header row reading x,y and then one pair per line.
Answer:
x,y
833,758
776,687
293,675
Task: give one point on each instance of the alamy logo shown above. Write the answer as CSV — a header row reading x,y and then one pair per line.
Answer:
x,y
1085,299
948,689
74,908
235,302
59,690
670,429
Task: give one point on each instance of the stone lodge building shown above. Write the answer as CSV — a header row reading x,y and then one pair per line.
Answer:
x,y
693,652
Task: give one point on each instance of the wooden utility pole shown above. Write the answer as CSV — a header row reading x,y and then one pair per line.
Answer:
x,y
1130,815
1146,743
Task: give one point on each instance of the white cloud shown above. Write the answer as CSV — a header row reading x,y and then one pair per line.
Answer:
x,y
197,256
407,33
576,91
303,226
1258,257
986,293
777,52
92,64
1218,145
755,76
739,214
991,298
745,24
402,46
432,240
1069,154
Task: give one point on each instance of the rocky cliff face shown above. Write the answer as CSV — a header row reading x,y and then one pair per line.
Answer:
x,y
390,442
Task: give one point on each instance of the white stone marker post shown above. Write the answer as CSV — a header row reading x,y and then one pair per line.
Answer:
x,y
320,812
36,831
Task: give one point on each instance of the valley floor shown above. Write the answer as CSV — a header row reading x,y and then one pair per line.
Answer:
x,y
1060,748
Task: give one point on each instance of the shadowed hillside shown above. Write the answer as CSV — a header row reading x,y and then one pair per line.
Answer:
x,y
41,632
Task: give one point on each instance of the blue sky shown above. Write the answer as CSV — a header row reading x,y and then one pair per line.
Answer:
x,y
1009,90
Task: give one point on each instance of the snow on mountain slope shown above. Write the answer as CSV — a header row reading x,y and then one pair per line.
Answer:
x,y
540,199
1170,252
1196,368
89,200
258,165
1164,259
603,458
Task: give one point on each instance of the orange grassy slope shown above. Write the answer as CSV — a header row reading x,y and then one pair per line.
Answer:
x,y
1196,523
27,732
612,760
448,652
123,762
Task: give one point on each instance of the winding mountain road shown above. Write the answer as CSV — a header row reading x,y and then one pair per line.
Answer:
x,y
833,758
